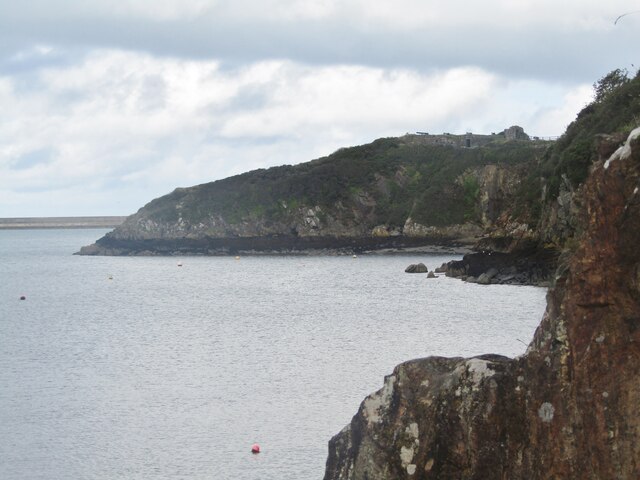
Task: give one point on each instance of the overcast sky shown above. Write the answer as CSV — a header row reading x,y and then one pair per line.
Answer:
x,y
105,104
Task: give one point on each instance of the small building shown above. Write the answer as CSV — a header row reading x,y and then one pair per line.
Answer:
x,y
515,133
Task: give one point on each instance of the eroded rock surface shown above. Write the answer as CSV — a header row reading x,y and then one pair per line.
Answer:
x,y
569,408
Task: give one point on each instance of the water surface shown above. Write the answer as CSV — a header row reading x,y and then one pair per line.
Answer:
x,y
127,368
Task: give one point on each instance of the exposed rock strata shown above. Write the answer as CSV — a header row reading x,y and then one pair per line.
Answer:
x,y
568,408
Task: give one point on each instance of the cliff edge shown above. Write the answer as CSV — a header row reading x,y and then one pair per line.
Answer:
x,y
568,408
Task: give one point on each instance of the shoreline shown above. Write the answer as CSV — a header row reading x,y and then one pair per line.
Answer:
x,y
272,245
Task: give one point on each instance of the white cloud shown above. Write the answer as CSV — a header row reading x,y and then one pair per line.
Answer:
x,y
118,102
554,120
130,126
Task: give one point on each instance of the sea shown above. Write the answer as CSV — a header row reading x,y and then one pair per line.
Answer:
x,y
173,367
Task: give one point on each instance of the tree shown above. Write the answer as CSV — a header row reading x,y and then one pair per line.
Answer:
x,y
610,82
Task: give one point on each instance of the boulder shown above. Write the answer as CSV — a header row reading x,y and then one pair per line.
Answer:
x,y
442,268
457,268
431,275
484,279
416,268
492,272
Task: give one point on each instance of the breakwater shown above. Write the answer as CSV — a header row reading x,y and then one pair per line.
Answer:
x,y
60,222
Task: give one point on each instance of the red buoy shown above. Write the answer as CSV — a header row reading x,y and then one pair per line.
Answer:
x,y
255,448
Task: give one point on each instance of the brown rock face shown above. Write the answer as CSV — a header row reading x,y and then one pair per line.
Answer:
x,y
569,408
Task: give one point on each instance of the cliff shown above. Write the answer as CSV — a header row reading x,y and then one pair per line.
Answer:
x,y
568,408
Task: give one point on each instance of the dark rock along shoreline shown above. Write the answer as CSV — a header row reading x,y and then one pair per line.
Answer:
x,y
568,408
273,244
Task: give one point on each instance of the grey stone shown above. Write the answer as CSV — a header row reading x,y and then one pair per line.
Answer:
x,y
416,268
484,279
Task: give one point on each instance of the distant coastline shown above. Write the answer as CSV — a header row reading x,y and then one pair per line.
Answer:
x,y
60,222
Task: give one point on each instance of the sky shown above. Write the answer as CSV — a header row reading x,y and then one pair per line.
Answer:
x,y
105,105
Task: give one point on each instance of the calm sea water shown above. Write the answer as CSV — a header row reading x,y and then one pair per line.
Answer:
x,y
167,372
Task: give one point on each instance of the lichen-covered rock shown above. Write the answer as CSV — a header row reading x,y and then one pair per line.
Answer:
x,y
569,408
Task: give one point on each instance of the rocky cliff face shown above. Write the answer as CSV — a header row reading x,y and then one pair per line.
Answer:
x,y
568,408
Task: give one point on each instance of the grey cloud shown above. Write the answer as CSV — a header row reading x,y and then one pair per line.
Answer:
x,y
528,52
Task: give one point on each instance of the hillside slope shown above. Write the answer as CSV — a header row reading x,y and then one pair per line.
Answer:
x,y
401,191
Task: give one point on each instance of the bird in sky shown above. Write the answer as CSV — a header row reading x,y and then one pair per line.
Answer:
x,y
624,15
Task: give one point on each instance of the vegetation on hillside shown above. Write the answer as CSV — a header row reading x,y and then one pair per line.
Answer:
x,y
392,179
403,179
615,109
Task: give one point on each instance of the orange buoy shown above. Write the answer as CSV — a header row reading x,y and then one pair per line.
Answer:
x,y
255,448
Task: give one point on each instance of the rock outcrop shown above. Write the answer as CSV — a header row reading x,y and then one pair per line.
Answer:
x,y
535,266
416,268
568,408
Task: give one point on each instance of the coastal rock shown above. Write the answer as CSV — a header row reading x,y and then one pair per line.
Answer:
x,y
416,268
483,279
534,266
486,277
431,275
568,408
425,407
492,272
457,268
442,268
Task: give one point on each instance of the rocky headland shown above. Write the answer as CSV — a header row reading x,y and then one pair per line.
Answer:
x,y
412,192
568,408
